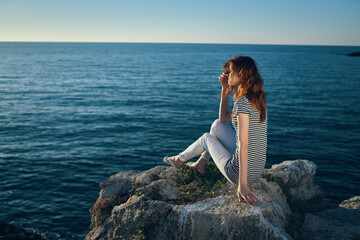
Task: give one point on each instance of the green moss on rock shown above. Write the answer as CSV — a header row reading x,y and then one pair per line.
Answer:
x,y
284,188
139,235
195,185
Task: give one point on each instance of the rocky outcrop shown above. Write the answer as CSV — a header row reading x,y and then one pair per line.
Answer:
x,y
11,232
353,54
342,222
297,183
148,205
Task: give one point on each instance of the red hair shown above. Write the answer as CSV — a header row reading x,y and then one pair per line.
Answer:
x,y
251,83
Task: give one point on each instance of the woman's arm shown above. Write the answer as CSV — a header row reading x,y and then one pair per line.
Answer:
x,y
243,133
224,114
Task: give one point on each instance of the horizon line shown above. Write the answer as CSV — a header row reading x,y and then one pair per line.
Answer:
x,y
275,44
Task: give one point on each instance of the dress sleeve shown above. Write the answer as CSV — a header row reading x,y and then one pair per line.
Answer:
x,y
241,106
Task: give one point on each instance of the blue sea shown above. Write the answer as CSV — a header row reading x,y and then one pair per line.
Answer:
x,y
72,114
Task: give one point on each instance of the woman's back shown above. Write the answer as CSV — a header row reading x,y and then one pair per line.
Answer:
x,y
257,141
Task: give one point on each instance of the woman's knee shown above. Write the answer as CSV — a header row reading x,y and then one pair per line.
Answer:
x,y
206,135
217,128
205,138
215,125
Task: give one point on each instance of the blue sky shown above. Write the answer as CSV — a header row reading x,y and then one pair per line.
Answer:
x,y
316,22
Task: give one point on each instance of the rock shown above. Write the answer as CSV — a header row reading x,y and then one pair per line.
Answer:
x,y
118,184
297,175
161,189
10,232
159,183
149,176
149,203
354,54
352,203
127,218
332,224
117,189
339,223
222,217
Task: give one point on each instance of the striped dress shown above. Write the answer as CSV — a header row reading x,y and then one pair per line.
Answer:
x,y
257,143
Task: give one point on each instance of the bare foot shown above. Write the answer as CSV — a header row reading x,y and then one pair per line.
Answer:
x,y
198,165
174,161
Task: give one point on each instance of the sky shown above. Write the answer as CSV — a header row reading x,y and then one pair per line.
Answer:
x,y
294,22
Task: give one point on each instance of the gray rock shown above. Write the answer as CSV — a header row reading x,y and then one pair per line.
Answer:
x,y
295,172
126,219
149,176
297,175
118,184
148,201
161,189
11,232
352,203
353,54
339,223
222,217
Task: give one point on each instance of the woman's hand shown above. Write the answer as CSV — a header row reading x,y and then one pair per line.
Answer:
x,y
244,193
224,80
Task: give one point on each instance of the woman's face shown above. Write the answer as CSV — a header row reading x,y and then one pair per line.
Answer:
x,y
233,79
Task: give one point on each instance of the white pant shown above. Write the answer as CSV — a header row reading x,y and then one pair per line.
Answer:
x,y
220,144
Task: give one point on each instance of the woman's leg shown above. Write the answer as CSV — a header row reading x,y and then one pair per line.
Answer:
x,y
217,151
225,134
222,132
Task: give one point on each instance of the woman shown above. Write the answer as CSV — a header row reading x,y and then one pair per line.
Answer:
x,y
240,155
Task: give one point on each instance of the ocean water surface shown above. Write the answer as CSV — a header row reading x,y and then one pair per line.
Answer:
x,y
72,114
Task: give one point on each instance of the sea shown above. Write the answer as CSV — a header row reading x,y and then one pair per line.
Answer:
x,y
73,114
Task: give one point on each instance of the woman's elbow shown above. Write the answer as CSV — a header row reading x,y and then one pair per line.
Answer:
x,y
243,146
222,120
225,118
